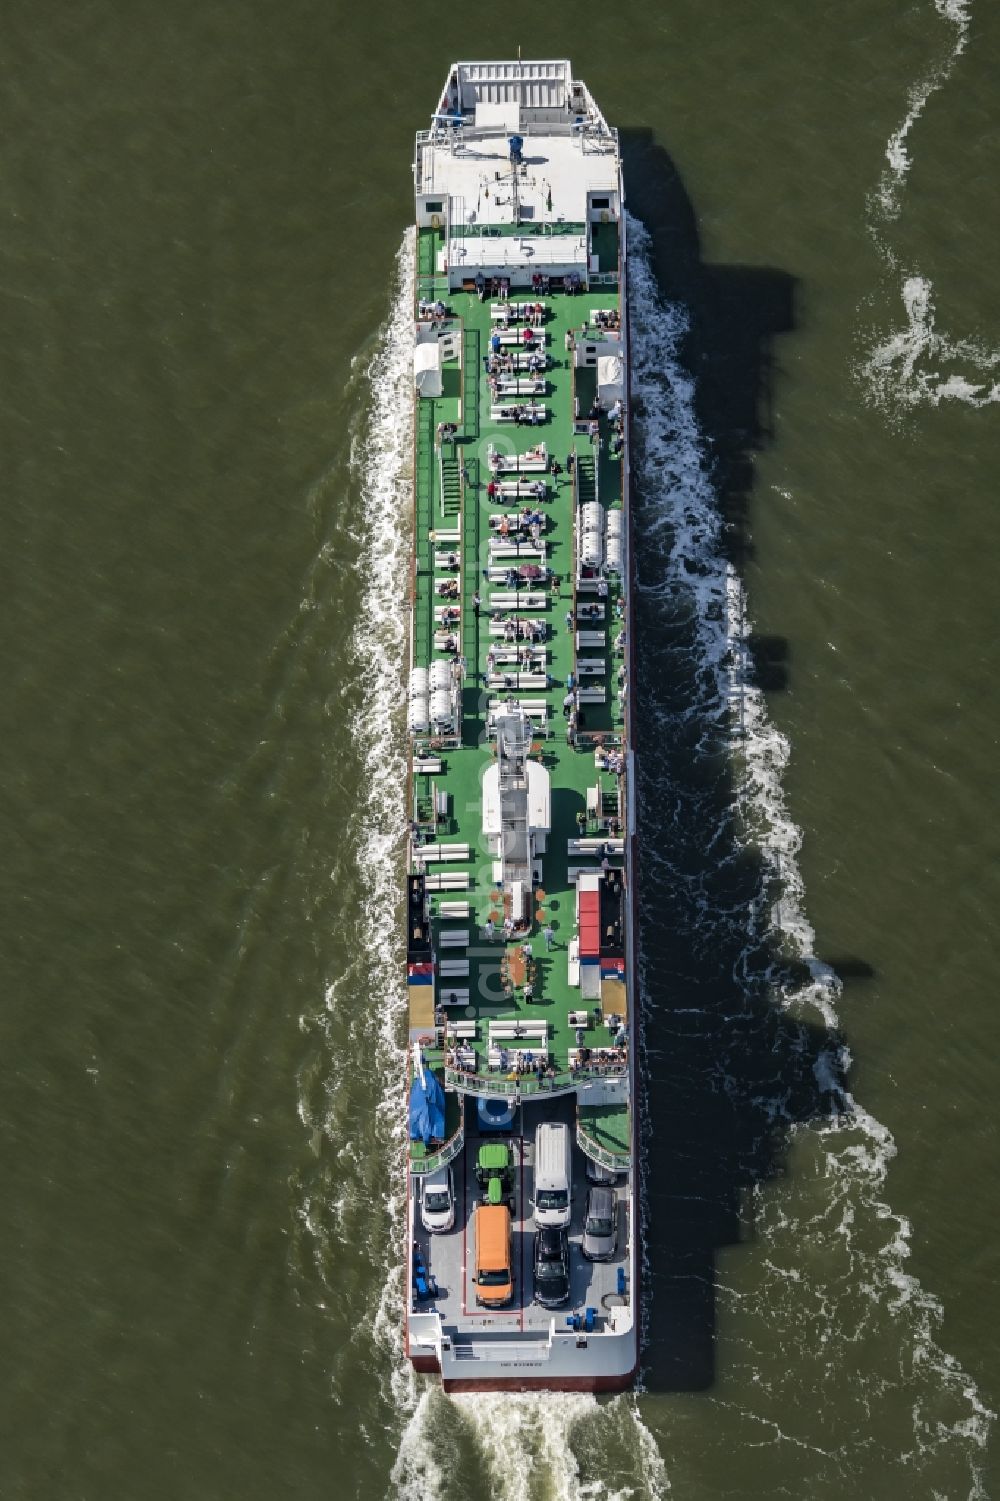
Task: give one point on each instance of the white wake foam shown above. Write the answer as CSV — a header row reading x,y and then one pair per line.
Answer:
x,y
559,1447
918,366
358,1193
852,1150
897,155
519,1448
381,459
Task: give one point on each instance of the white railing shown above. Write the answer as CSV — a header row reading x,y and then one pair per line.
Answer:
x,y
421,1166
618,1162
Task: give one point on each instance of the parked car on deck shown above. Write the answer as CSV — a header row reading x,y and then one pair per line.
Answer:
x,y
600,1225
437,1201
551,1267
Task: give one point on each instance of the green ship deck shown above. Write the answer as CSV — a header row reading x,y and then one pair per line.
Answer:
x,y
525,979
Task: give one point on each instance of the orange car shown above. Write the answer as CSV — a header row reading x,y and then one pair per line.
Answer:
x,y
494,1276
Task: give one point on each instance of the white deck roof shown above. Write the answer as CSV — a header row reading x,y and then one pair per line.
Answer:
x,y
514,250
561,170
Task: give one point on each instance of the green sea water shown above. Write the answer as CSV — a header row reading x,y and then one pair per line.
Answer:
x,y
202,539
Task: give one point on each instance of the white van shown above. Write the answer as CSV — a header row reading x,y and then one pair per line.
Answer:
x,y
553,1175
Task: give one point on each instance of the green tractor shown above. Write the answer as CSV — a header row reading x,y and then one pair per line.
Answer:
x,y
495,1173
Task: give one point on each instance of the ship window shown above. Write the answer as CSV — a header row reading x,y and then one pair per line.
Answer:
x,y
601,202
434,208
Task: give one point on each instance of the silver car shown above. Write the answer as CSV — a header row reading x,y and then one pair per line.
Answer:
x,y
600,1225
437,1201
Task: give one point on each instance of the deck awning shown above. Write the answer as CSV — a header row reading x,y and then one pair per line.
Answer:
x,y
498,255
610,378
590,925
427,369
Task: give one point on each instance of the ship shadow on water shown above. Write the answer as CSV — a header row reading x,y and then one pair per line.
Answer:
x,y
728,1068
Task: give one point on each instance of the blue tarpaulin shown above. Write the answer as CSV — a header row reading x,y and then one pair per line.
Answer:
x,y
426,1108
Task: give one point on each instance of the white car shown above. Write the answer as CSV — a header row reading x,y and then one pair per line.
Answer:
x,y
437,1201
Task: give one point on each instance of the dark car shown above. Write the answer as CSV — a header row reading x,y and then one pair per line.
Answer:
x,y
551,1267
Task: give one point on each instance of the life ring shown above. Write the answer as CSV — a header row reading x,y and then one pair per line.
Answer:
x,y
435,221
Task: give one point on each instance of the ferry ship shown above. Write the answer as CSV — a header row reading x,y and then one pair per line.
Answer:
x,y
522,1264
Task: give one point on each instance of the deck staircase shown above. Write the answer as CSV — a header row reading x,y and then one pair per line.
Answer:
x,y
451,486
586,478
471,370
426,247
423,624
470,553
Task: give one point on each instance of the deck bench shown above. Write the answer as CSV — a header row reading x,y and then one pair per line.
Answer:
x,y
499,628
535,708
595,846
519,651
502,547
526,1057
507,1031
453,969
442,852
535,461
534,413
517,599
518,680
452,910
457,939
513,338
449,995
520,385
515,311
463,1031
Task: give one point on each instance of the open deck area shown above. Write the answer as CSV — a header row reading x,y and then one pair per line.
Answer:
x,y
498,593
449,1257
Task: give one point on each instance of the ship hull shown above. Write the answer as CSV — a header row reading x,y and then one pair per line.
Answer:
x,y
495,1014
